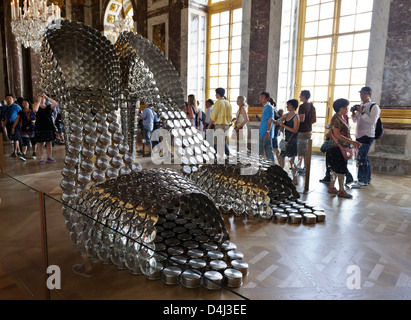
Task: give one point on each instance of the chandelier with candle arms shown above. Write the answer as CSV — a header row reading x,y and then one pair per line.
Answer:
x,y
29,21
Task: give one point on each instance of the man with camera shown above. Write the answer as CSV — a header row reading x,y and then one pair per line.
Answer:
x,y
365,116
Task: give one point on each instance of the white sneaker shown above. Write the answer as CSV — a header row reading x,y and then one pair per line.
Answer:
x,y
359,185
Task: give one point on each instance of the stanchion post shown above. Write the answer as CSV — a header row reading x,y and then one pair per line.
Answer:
x,y
2,162
308,166
44,246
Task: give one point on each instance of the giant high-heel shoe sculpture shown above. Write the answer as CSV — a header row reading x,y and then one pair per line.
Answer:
x,y
155,222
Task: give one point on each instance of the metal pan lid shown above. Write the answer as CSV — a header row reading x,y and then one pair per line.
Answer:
x,y
175,251
215,255
227,246
218,265
235,255
195,253
197,263
210,246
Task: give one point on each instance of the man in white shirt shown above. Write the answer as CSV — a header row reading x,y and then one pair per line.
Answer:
x,y
365,116
209,108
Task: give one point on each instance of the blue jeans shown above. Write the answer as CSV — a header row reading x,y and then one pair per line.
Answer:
x,y
265,145
364,167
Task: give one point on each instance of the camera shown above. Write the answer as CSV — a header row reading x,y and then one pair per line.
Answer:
x,y
355,108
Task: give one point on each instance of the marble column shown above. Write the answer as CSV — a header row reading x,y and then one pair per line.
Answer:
x,y
68,9
13,56
174,33
140,17
245,47
185,29
3,82
274,45
77,11
259,43
35,71
88,15
377,49
395,91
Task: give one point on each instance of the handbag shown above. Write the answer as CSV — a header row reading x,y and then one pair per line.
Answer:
x,y
348,152
325,145
283,145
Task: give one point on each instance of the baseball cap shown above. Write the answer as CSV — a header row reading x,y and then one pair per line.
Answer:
x,y
366,90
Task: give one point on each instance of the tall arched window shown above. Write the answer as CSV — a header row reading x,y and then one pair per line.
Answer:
x,y
332,55
224,48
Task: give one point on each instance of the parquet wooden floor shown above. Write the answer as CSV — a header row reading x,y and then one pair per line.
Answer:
x,y
371,231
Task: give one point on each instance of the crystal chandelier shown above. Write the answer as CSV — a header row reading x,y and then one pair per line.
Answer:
x,y
29,22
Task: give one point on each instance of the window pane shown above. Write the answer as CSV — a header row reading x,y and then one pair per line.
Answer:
x,y
345,43
342,77
214,45
237,15
322,78
320,109
327,10
341,92
348,7
311,29
213,70
223,57
213,82
310,47
235,82
236,43
360,59
234,93
362,41
309,63
344,60
235,69
215,19
354,93
222,82
324,45
347,24
215,33
312,13
308,78
223,70
225,17
214,57
365,6
363,21
359,76
326,27
323,62
321,94
319,125
224,31
236,56
237,29
224,44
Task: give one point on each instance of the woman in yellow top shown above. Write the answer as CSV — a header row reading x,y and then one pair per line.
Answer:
x,y
240,121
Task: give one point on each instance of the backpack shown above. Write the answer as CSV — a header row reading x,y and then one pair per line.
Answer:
x,y
314,119
379,128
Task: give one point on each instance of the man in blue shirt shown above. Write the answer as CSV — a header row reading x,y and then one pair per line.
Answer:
x,y
148,123
266,132
11,114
